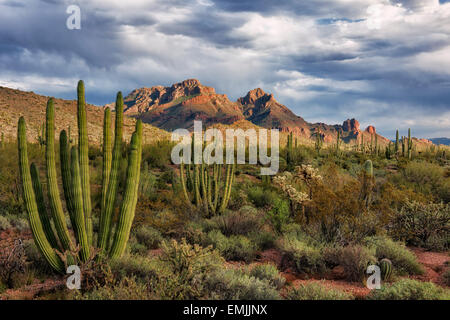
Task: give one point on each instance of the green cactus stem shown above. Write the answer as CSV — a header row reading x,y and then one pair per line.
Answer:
x,y
29,198
48,241
83,152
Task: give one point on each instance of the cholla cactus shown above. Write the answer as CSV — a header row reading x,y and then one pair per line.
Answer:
x,y
305,173
294,195
308,174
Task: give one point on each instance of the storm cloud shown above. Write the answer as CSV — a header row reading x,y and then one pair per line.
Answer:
x,y
386,63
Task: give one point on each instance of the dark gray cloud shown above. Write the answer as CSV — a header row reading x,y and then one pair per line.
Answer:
x,y
385,62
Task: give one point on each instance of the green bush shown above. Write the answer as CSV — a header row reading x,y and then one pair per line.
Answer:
x,y
270,273
425,225
147,182
237,248
141,268
135,247
4,223
354,259
446,277
263,239
149,237
315,291
238,223
125,289
229,284
407,289
424,177
306,257
279,215
403,260
261,197
189,265
158,154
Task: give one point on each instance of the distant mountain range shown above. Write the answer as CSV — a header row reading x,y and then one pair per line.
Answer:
x,y
164,109
179,105
444,141
16,103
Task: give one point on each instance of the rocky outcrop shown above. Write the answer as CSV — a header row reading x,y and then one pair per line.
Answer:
x,y
371,130
179,105
351,126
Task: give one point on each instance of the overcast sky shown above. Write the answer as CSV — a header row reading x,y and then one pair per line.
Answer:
x,y
385,63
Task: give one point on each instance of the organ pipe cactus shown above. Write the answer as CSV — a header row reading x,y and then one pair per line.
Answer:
x,y
112,238
207,187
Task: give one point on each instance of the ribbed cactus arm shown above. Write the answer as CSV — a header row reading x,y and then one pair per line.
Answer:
x,y
83,152
127,210
107,154
30,203
52,182
65,172
106,215
43,214
79,220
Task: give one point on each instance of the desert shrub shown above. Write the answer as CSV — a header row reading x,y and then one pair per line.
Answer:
x,y
241,222
19,223
35,259
261,197
123,289
237,248
148,236
134,247
193,232
141,268
408,289
315,291
353,258
305,257
270,273
147,182
341,215
158,154
229,284
425,225
189,265
403,260
446,277
4,223
12,263
279,215
262,239
424,177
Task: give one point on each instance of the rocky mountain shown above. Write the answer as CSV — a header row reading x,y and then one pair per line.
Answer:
x,y
444,141
179,105
182,103
17,103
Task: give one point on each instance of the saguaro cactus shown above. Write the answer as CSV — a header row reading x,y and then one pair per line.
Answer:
x,y
410,144
338,143
396,142
367,183
289,147
72,167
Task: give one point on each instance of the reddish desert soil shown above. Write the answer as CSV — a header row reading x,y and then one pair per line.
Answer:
x,y
434,263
